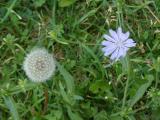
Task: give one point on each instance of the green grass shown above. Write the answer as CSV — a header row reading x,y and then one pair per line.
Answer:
x,y
82,88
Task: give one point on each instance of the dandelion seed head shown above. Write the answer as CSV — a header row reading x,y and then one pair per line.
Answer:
x,y
117,44
39,65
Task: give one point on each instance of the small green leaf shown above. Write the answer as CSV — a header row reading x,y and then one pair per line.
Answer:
x,y
146,35
65,3
39,3
77,97
54,35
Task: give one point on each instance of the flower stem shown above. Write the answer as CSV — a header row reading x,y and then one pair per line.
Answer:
x,y
119,4
157,79
127,82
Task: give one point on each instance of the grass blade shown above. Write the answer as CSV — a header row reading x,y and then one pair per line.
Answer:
x,y
9,11
95,58
12,107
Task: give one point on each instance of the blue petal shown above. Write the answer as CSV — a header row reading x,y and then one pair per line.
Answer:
x,y
113,34
107,43
108,50
123,36
121,53
125,49
129,43
115,54
107,37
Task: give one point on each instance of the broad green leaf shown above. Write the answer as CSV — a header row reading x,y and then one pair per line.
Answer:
x,y
64,94
116,118
131,117
12,107
65,3
58,114
54,115
140,92
67,77
102,115
72,115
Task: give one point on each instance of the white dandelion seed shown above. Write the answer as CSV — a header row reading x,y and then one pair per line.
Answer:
x,y
117,44
39,65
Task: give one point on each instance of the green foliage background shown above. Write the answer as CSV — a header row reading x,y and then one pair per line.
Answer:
x,y
82,88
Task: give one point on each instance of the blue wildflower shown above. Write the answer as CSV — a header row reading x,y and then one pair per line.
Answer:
x,y
117,44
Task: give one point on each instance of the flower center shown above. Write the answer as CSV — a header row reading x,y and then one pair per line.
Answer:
x,y
40,65
119,43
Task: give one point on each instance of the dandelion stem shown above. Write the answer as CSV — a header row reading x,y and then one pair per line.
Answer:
x,y
45,101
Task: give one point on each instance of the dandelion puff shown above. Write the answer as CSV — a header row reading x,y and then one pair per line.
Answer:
x,y
39,65
117,44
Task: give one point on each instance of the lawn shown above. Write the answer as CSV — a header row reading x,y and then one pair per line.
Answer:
x,y
86,84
